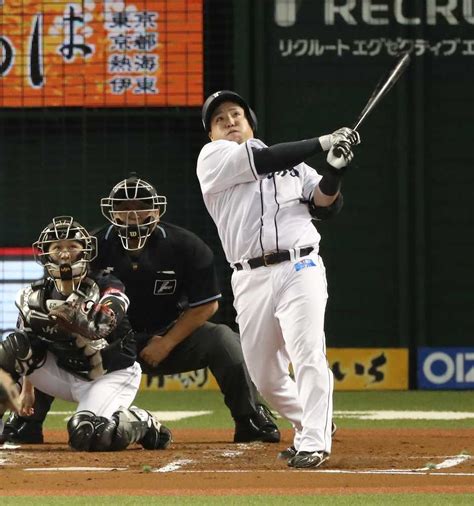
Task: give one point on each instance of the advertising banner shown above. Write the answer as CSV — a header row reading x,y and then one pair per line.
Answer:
x,y
445,368
369,368
353,369
101,54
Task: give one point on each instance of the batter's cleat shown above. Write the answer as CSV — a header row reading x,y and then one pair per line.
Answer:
x,y
22,430
290,452
304,460
287,454
258,427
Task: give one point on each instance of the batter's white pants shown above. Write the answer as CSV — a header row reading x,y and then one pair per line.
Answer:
x,y
103,396
280,312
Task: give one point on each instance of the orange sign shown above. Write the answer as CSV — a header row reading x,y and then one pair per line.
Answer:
x,y
111,53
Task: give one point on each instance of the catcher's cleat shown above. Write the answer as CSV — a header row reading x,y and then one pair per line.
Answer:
x,y
156,436
22,430
9,394
303,460
258,427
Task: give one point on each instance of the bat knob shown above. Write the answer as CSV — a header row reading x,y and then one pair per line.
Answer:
x,y
337,151
341,148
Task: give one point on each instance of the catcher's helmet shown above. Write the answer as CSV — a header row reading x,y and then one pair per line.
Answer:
x,y
61,270
134,208
214,100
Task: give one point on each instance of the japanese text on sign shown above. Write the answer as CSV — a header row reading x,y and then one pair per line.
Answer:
x,y
111,53
375,47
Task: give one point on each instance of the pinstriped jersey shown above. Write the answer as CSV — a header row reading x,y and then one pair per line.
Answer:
x,y
255,213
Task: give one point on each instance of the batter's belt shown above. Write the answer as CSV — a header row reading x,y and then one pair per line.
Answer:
x,y
274,258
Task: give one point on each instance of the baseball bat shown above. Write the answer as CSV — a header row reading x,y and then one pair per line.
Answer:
x,y
382,88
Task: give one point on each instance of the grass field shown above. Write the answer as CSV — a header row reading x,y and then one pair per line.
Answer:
x,y
447,401
351,500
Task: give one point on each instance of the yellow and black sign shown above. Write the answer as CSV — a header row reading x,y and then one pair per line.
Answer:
x,y
353,369
369,368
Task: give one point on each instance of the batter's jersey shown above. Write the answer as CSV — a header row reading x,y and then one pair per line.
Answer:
x,y
175,270
34,303
255,213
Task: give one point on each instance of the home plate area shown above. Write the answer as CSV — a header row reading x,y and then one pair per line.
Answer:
x,y
205,461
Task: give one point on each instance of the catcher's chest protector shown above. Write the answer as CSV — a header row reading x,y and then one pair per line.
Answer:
x,y
71,353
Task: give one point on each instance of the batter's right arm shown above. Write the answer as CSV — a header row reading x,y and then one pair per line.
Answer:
x,y
327,191
287,155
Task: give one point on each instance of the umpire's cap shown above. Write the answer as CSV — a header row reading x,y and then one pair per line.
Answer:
x,y
214,100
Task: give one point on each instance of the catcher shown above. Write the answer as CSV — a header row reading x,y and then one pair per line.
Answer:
x,y
74,341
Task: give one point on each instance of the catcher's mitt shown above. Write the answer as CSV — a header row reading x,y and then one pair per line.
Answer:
x,y
9,393
90,320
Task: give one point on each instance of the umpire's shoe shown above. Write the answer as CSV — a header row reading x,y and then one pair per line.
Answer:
x,y
22,430
303,460
258,427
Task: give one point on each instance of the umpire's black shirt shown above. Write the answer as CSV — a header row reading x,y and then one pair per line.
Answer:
x,y
174,270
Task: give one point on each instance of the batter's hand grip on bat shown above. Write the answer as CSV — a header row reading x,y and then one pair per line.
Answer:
x,y
337,150
340,147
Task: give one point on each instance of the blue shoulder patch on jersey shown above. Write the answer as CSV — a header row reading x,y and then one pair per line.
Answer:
x,y
302,264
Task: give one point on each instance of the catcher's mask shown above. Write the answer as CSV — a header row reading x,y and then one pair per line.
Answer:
x,y
57,250
134,208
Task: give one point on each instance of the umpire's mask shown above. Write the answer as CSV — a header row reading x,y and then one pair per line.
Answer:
x,y
134,208
65,249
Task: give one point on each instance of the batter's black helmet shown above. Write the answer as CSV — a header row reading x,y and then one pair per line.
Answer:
x,y
214,100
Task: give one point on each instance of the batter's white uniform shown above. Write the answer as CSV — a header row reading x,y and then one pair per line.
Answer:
x,y
280,308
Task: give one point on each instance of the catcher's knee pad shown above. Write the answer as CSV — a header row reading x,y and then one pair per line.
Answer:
x,y
16,355
90,433
135,425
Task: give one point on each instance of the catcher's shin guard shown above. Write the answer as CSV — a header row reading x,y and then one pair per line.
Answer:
x,y
90,433
9,393
135,425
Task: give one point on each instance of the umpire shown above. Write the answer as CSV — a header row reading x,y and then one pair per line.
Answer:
x,y
170,279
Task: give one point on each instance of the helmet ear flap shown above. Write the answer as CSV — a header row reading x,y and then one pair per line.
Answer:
x,y
253,120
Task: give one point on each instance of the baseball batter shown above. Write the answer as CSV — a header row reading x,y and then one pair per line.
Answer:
x,y
263,200
74,342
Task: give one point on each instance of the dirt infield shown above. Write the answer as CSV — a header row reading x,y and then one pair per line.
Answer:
x,y
204,462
